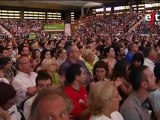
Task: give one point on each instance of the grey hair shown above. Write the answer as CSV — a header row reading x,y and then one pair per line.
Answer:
x,y
70,49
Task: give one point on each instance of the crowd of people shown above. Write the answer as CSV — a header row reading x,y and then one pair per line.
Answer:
x,y
145,28
100,73
109,24
20,29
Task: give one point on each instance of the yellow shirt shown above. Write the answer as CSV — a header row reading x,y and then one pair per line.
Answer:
x,y
89,66
56,79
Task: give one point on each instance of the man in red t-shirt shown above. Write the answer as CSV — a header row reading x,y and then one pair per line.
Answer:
x,y
75,90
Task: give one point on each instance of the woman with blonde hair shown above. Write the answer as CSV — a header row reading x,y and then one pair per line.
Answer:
x,y
89,59
104,101
61,56
50,65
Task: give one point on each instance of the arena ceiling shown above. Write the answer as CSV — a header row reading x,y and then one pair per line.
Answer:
x,y
59,4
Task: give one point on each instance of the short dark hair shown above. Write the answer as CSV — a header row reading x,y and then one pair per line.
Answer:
x,y
107,49
44,51
100,64
43,75
130,46
137,57
50,41
136,76
59,51
34,53
21,49
4,61
119,69
7,92
71,73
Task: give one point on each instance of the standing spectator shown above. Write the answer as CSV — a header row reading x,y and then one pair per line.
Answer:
x,y
73,56
132,49
24,81
6,68
75,78
104,106
143,82
100,71
110,58
155,96
5,52
138,60
120,53
119,75
61,55
7,102
43,80
45,54
35,56
24,50
49,105
50,65
89,59
150,56
12,53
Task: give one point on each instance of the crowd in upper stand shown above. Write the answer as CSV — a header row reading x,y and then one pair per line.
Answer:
x,y
145,28
21,28
102,72
111,24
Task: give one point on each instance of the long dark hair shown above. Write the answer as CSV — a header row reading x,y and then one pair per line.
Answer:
x,y
120,69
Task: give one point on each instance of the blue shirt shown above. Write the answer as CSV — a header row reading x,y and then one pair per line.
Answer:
x,y
129,57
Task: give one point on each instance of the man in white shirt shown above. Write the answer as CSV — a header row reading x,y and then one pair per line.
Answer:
x,y
43,80
14,114
24,81
150,56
